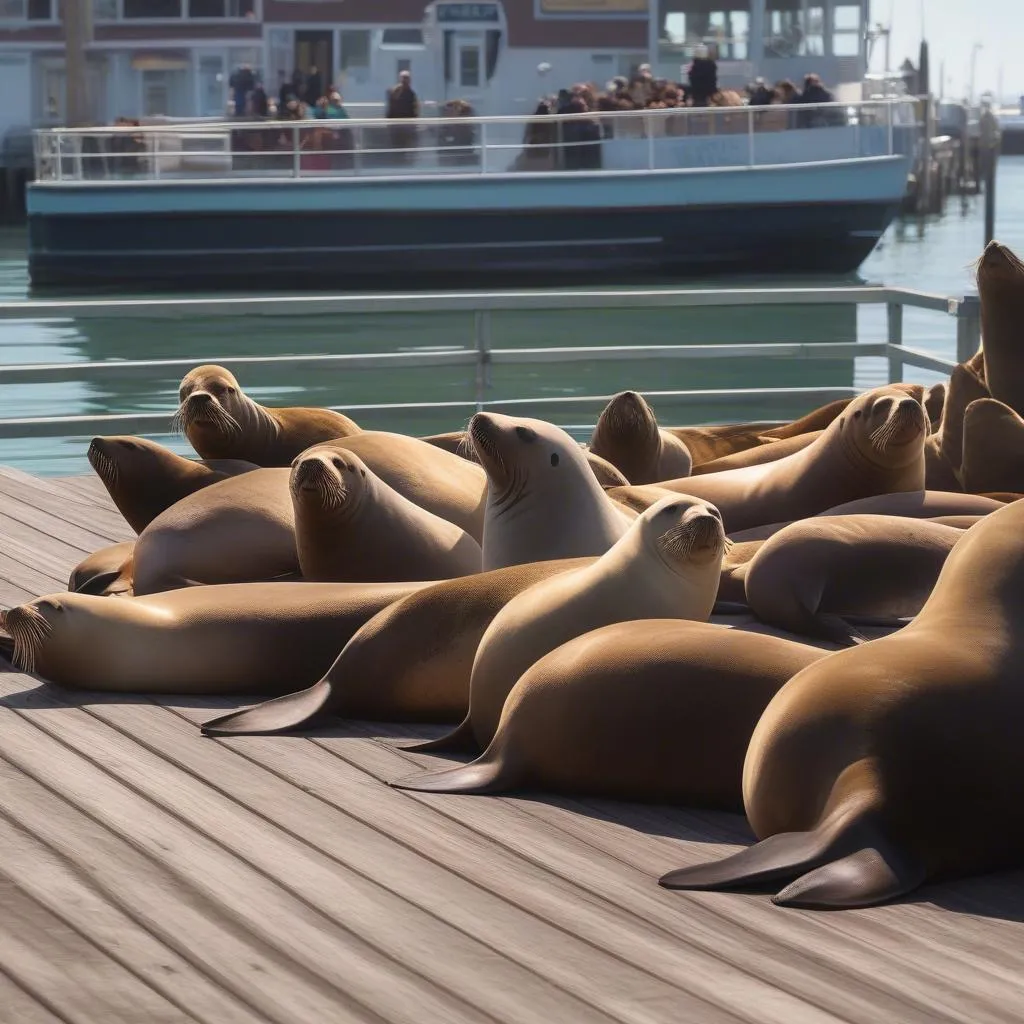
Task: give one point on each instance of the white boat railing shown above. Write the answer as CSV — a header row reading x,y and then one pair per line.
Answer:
x,y
643,140
483,356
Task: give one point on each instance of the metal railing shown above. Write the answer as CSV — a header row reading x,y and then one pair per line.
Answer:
x,y
667,139
483,357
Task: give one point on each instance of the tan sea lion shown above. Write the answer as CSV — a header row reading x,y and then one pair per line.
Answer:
x,y
658,710
706,444
732,587
770,452
144,478
944,449
668,565
222,422
813,574
454,441
993,447
351,526
875,446
105,572
815,420
628,436
543,500
247,637
238,530
935,403
432,478
604,472
1001,291
897,762
639,498
411,662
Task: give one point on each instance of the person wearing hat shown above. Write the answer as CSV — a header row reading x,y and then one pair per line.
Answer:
x,y
702,76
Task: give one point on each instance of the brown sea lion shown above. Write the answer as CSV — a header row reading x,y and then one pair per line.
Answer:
x,y
935,403
897,762
238,530
628,436
811,574
876,446
454,441
815,420
543,500
436,480
993,448
222,422
758,456
144,478
639,498
658,710
668,565
411,662
105,572
715,442
351,526
247,637
944,449
735,563
604,472
1001,291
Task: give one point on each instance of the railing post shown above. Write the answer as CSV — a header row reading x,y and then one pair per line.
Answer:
x,y
482,343
296,155
649,131
483,147
895,318
968,327
891,106
750,136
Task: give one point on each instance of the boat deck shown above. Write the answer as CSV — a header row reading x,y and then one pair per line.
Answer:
x,y
148,874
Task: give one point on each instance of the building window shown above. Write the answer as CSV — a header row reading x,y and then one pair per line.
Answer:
x,y
847,35
156,9
40,10
104,10
221,8
402,37
469,67
212,86
721,25
355,49
12,10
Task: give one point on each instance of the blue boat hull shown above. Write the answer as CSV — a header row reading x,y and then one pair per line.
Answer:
x,y
793,220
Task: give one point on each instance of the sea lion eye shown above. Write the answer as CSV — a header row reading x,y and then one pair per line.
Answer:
x,y
338,464
857,415
362,473
554,458
526,434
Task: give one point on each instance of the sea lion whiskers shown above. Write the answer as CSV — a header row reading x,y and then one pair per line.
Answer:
x,y
189,413
312,474
102,463
28,629
700,531
901,417
483,444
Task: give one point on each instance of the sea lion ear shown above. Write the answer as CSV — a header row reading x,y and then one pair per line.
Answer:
x,y
554,459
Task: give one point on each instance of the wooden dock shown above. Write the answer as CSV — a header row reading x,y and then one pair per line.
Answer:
x,y
150,875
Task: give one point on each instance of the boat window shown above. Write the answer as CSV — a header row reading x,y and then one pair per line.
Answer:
x,y
401,37
40,10
212,85
12,10
355,48
104,10
846,31
153,8
469,67
721,25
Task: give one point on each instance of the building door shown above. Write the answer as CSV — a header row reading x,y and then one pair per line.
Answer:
x,y
470,69
315,49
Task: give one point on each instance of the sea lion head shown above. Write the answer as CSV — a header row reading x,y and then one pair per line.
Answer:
x,y
127,459
626,433
210,401
993,448
329,480
516,452
999,268
684,531
30,626
886,428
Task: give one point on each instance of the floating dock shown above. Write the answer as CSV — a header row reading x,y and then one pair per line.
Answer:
x,y
149,874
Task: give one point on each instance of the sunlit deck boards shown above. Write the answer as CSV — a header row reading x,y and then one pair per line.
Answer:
x,y
150,875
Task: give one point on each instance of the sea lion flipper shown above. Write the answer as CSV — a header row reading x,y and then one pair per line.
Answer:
x,y
461,740
290,711
838,630
102,583
870,875
491,773
785,855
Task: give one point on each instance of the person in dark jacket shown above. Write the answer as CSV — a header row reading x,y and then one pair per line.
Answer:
x,y
403,105
314,86
815,92
703,77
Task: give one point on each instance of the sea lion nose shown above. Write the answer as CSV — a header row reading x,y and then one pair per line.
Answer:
x,y
200,398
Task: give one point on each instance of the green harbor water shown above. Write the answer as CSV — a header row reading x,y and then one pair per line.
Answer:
x,y
935,255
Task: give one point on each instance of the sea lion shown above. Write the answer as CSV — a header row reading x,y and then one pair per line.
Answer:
x,y
454,441
604,472
935,403
222,422
668,565
543,500
247,637
144,478
105,572
432,478
815,420
811,574
705,444
351,526
639,498
993,447
732,587
411,662
658,710
897,762
1001,291
944,449
876,446
628,436
770,452
238,530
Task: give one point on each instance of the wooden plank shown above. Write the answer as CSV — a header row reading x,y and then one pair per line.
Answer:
x,y
164,903
719,960
289,897
48,879
33,548
629,877
628,993
79,981
12,595
19,1007
82,523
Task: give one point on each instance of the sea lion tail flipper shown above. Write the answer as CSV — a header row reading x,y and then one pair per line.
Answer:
x,y
837,629
102,584
461,740
492,772
868,876
289,711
